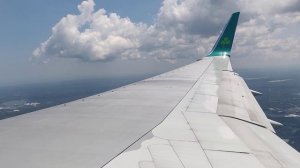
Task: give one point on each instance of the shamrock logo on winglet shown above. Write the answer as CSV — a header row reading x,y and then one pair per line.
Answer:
x,y
225,41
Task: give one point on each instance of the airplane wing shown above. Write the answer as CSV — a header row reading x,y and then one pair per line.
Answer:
x,y
201,115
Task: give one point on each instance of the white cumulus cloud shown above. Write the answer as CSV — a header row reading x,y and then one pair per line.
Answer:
x,y
182,29
92,36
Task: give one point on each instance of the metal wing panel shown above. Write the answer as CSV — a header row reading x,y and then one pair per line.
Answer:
x,y
235,98
91,131
255,112
194,135
203,131
213,134
221,159
201,120
264,144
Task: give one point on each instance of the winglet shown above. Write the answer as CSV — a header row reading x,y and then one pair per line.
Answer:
x,y
224,43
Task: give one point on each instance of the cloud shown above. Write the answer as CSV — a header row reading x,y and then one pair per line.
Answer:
x,y
265,40
197,17
182,29
92,36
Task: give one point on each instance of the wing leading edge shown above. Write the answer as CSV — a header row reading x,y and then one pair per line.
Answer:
x,y
200,115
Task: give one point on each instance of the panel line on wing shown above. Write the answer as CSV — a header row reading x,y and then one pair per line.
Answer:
x,y
251,122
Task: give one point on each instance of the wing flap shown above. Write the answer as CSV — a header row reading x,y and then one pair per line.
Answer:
x,y
234,97
213,133
191,154
264,144
221,159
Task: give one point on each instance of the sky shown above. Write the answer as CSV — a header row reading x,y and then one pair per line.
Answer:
x,y
52,40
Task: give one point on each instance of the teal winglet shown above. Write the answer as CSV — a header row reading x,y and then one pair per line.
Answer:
x,y
224,43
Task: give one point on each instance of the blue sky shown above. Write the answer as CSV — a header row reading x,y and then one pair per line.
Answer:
x,y
25,24
142,37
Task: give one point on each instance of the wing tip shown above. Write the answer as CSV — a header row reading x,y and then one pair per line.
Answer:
x,y
223,45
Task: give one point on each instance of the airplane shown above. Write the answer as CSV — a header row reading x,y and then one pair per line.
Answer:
x,y
202,115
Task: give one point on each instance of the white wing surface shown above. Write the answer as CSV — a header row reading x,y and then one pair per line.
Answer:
x,y
202,115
